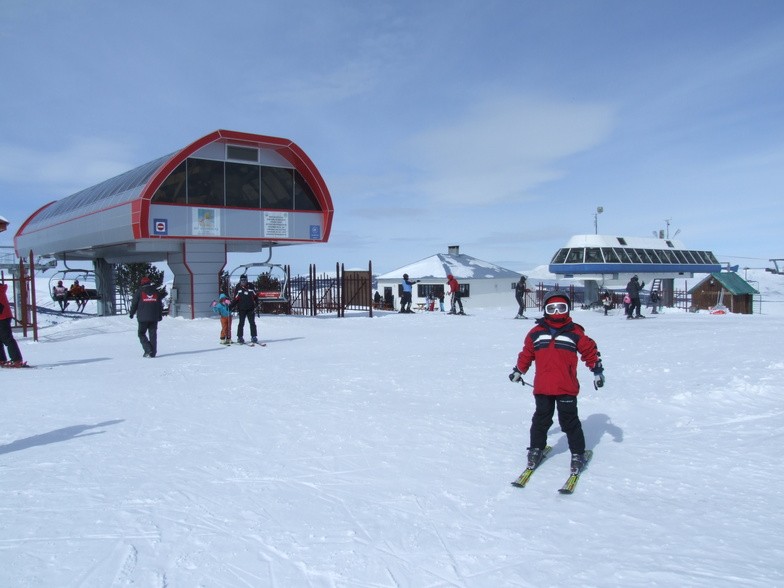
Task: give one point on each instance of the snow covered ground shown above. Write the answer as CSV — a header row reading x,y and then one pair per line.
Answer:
x,y
377,452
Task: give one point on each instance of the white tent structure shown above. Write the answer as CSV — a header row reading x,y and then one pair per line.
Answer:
x,y
483,284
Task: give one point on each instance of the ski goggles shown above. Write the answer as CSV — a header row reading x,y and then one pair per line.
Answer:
x,y
556,308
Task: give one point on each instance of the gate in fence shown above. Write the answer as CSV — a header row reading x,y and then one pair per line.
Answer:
x,y
321,293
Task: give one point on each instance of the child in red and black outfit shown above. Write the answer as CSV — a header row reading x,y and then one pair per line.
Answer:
x,y
554,344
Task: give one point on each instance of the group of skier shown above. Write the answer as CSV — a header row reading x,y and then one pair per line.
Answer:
x,y
244,303
452,285
147,307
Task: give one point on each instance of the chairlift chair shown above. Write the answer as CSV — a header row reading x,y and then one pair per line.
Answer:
x,y
69,275
275,271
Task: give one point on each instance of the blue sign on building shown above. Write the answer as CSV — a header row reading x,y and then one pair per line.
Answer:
x,y
160,226
315,232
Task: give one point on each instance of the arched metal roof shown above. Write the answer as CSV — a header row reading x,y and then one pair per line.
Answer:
x,y
120,218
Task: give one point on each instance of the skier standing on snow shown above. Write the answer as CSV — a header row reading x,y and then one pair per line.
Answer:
x,y
222,309
554,343
520,291
405,298
633,289
7,335
454,292
245,303
147,306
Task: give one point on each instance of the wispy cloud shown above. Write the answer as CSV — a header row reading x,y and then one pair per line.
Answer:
x,y
506,146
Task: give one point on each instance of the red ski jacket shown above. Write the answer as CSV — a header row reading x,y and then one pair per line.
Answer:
x,y
5,309
554,348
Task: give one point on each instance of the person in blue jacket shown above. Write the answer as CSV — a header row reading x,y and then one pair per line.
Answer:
x,y
405,298
223,309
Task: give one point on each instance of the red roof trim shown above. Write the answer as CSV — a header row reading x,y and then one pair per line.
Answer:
x,y
27,222
140,220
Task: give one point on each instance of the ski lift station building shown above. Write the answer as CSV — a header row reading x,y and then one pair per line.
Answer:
x,y
607,261
226,192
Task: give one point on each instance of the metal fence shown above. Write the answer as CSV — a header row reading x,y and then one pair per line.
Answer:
x,y
322,293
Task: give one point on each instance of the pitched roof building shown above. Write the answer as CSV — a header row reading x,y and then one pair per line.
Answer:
x,y
481,283
723,289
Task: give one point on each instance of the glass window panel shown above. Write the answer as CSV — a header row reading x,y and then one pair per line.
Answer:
x,y
643,255
633,256
681,257
576,255
242,185
277,188
560,256
652,256
689,256
669,255
610,256
623,255
711,257
242,153
172,190
593,255
205,182
304,199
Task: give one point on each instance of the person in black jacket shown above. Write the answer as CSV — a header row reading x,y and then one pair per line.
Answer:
x,y
147,306
520,291
245,304
633,289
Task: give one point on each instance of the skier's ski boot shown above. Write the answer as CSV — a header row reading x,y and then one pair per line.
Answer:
x,y
240,340
15,364
254,340
578,462
535,456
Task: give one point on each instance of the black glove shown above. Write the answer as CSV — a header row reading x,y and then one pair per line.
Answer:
x,y
598,375
130,316
516,376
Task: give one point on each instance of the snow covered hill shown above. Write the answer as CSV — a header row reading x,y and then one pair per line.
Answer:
x,y
378,452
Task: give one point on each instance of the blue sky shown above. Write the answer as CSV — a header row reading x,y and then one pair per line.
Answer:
x,y
498,126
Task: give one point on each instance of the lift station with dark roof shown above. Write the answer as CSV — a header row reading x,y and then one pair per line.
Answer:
x,y
226,192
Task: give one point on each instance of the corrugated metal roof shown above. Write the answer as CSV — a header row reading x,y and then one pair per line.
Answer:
x,y
731,282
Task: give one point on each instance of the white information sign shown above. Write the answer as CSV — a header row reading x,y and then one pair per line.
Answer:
x,y
276,225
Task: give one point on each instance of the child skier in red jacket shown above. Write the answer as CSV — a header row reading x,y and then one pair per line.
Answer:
x,y
554,344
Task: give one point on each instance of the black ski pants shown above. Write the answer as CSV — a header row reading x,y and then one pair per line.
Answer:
x,y
567,418
249,314
520,303
405,302
148,336
7,340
